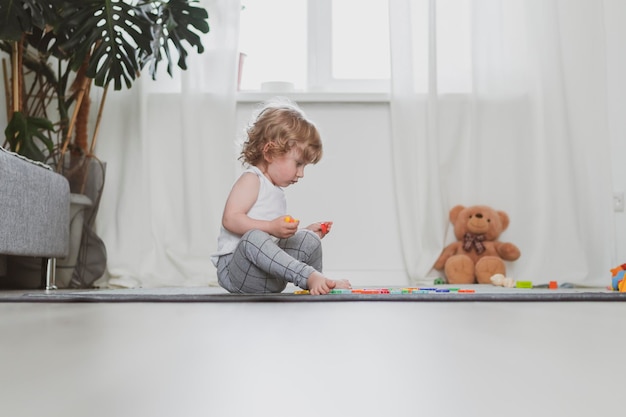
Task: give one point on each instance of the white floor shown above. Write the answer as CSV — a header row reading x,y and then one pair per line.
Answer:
x,y
312,359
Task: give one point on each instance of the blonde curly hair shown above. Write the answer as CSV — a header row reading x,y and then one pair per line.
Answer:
x,y
278,128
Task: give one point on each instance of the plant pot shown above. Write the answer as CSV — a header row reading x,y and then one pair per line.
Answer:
x,y
65,266
87,260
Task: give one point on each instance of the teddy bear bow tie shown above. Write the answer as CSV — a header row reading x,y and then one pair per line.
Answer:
x,y
476,241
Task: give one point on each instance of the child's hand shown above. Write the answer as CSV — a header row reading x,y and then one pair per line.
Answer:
x,y
284,227
322,229
318,284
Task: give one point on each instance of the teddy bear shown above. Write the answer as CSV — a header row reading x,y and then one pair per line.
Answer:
x,y
476,255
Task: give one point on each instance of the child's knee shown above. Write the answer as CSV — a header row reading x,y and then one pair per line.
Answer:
x,y
311,242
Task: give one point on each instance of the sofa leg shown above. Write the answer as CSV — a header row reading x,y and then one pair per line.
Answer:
x,y
48,272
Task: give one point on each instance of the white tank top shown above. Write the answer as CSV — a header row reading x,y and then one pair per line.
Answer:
x,y
270,204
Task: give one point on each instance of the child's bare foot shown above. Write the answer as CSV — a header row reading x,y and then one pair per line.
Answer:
x,y
318,284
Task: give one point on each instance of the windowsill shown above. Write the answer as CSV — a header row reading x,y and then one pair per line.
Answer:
x,y
313,97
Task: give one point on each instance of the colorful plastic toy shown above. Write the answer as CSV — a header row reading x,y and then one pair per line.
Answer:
x,y
404,291
618,283
325,227
290,219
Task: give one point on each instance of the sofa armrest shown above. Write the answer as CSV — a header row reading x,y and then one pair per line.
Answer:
x,y
34,208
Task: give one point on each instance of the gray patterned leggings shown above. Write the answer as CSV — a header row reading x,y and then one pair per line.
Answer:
x,y
260,264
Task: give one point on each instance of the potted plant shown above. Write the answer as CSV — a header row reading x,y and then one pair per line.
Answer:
x,y
59,49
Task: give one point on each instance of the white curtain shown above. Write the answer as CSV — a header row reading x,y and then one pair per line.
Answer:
x,y
504,103
169,146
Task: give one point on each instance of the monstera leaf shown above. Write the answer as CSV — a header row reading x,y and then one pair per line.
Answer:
x,y
119,38
174,22
19,16
108,33
13,20
23,134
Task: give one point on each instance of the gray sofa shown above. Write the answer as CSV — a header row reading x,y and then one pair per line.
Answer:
x,y
34,215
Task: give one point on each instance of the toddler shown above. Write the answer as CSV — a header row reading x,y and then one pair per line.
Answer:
x,y
260,248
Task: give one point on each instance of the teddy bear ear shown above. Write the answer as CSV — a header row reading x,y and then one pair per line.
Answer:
x,y
504,219
454,213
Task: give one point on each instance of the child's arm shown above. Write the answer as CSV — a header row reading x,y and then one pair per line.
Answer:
x,y
242,197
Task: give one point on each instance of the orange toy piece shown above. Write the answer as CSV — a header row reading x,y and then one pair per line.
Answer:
x,y
290,219
616,270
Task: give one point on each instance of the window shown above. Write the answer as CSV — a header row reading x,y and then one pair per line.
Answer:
x,y
315,45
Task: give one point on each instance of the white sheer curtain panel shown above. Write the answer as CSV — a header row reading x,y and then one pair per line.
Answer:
x,y
168,145
503,103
